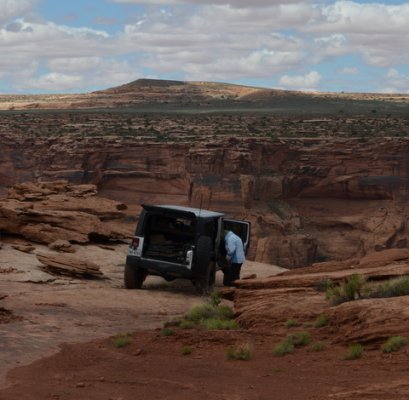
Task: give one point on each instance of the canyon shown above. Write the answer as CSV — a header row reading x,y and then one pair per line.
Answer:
x,y
324,179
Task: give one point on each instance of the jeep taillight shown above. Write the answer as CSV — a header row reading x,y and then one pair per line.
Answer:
x,y
135,243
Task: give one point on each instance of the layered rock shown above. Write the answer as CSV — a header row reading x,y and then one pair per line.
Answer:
x,y
46,212
307,199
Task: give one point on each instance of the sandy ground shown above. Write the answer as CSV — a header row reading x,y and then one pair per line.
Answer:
x,y
49,310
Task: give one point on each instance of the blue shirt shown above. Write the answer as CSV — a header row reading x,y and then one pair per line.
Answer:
x,y
234,248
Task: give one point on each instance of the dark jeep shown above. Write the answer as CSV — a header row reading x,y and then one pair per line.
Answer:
x,y
180,242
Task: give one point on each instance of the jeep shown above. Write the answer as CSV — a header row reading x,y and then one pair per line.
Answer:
x,y
180,242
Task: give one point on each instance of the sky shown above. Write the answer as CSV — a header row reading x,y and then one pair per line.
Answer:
x,y
76,46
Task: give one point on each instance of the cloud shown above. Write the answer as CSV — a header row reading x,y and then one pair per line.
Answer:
x,y
308,81
396,82
205,40
232,3
349,71
15,8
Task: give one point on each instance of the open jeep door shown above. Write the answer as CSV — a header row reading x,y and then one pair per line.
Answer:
x,y
241,229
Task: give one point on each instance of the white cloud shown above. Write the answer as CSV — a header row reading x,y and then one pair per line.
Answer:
x,y
396,82
15,8
349,71
233,3
308,81
206,40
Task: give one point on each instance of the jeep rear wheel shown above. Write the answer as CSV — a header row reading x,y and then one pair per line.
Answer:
x,y
205,269
134,277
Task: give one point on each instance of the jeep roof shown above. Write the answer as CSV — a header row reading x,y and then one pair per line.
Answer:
x,y
188,211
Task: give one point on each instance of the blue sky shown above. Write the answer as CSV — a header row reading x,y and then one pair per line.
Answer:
x,y
55,46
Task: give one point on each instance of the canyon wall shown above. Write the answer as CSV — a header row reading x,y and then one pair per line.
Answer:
x,y
308,199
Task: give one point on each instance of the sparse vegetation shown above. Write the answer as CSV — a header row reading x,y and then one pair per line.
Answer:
x,y
351,289
122,340
291,323
283,348
210,316
293,340
354,352
167,332
299,339
317,346
356,288
392,288
186,350
240,352
324,285
394,343
320,321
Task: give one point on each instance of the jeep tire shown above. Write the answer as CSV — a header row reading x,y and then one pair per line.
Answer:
x,y
204,269
134,277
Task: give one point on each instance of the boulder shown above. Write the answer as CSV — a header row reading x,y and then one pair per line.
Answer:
x,y
69,265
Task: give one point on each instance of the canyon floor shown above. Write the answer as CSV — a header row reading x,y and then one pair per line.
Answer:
x,y
57,335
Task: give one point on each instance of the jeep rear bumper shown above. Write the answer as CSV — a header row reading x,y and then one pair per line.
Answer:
x,y
159,267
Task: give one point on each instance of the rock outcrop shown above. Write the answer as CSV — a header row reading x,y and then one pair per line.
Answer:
x,y
264,305
50,211
308,200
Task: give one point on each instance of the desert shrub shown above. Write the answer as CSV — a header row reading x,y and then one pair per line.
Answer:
x,y
186,350
167,332
320,321
210,316
291,323
317,346
324,285
122,340
283,348
354,352
241,352
392,288
394,343
219,324
351,289
201,312
186,324
299,339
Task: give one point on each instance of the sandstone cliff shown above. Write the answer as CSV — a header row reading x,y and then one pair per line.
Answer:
x,y
308,199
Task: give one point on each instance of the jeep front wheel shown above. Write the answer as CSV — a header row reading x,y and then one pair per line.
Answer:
x,y
134,277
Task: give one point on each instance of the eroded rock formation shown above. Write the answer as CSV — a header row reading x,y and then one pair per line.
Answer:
x,y
51,211
308,199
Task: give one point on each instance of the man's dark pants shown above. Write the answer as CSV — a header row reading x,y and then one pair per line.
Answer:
x,y
231,273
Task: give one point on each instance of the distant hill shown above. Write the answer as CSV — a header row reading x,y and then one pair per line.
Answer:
x,y
154,95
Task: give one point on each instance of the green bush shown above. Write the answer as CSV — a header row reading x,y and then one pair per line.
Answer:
x,y
201,312
186,350
122,340
291,323
186,324
349,290
394,343
317,346
167,332
241,352
392,288
354,352
324,285
299,339
219,324
210,316
283,348
320,321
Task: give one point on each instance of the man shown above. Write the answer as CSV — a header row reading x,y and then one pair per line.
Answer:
x,y
234,256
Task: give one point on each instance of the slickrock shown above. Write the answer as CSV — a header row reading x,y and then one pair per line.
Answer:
x,y
69,265
46,212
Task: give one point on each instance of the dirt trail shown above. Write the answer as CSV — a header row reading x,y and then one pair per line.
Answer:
x,y
52,310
